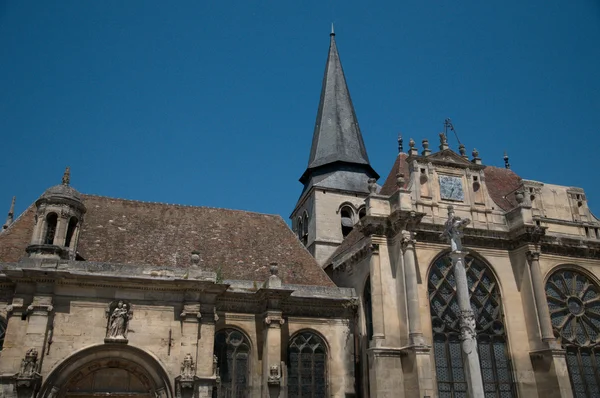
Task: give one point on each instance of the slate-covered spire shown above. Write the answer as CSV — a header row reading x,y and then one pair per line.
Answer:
x,y
337,137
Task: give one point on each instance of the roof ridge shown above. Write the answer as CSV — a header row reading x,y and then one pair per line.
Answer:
x,y
180,205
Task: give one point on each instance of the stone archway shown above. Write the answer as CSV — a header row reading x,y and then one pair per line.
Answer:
x,y
108,370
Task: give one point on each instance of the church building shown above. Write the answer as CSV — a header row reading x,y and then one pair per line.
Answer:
x,y
450,278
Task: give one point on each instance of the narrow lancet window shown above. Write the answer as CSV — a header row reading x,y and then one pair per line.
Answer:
x,y
51,222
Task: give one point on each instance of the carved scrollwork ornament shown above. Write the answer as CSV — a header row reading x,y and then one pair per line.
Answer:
x,y
468,334
407,240
274,320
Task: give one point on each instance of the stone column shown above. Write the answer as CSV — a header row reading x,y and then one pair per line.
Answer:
x,y
468,335
541,303
272,354
205,368
415,332
376,296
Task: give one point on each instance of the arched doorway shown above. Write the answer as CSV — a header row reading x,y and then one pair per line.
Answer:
x,y
109,370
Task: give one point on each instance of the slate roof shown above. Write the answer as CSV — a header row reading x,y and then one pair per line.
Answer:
x,y
242,244
337,136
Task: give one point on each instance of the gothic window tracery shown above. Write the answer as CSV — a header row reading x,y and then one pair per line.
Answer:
x,y
307,366
232,349
574,303
491,336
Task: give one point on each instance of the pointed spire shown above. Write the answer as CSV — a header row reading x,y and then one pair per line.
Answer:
x,y
11,214
66,180
332,30
337,137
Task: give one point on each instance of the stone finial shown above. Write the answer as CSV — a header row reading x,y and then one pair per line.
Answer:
x,y
463,151
443,142
274,281
11,213
400,180
66,179
372,185
506,164
400,143
412,151
476,158
426,150
195,258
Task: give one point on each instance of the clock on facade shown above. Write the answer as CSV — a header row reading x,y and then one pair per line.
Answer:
x,y
451,188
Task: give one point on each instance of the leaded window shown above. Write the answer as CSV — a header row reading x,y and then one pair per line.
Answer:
x,y
307,366
574,303
491,336
232,349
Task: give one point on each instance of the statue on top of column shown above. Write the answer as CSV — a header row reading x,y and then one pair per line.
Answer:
x,y
453,230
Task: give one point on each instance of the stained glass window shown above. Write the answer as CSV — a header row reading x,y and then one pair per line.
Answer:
x,y
574,303
307,366
491,336
232,349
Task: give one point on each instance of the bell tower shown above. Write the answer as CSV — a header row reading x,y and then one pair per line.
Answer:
x,y
58,220
338,173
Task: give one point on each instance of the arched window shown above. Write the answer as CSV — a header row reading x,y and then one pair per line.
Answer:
x,y
51,221
307,360
299,227
362,212
305,228
70,231
347,219
574,303
368,309
2,331
491,336
232,349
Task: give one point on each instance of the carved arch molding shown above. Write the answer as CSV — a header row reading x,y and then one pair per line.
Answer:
x,y
109,370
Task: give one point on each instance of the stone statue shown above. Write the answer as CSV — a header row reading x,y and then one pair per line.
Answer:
x,y
453,231
29,364
187,367
118,323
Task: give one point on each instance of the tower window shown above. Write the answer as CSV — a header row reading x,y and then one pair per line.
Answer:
x,y
347,218
362,212
51,221
305,228
299,227
70,231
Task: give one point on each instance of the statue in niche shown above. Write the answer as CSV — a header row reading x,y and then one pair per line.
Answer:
x,y
118,323
29,364
453,230
187,367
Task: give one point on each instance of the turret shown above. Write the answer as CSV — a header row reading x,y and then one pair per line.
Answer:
x,y
58,219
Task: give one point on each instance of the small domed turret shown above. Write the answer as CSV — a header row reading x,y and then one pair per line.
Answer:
x,y
58,219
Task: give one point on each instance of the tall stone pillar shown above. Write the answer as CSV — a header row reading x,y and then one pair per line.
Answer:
x,y
376,296
205,369
272,354
541,304
550,363
453,232
415,332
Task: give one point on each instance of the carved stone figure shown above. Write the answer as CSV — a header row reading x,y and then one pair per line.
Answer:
x,y
118,324
454,230
274,375
187,367
29,364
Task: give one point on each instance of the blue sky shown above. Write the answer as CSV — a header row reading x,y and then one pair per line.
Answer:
x,y
212,103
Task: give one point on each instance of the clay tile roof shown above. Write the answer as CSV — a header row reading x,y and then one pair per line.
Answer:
x,y
502,184
241,244
400,165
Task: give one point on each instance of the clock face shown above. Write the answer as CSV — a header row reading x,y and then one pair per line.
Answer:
x,y
451,188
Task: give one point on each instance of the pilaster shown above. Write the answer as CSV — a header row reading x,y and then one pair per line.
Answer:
x,y
376,293
272,354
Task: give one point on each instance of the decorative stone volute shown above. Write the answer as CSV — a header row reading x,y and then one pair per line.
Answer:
x,y
58,221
